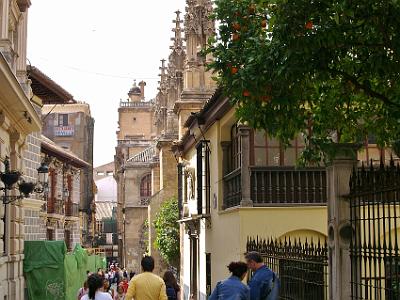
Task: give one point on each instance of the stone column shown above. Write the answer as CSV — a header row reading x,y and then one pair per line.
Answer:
x,y
339,227
244,135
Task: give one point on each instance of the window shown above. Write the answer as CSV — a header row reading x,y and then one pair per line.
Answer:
x,y
50,234
63,120
203,177
267,151
208,274
235,149
145,189
67,239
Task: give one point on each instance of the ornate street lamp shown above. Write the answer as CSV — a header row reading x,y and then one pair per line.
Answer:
x,y
11,177
65,193
43,179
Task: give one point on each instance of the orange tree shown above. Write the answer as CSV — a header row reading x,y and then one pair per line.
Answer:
x,y
326,69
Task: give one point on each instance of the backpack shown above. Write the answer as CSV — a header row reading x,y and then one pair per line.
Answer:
x,y
171,293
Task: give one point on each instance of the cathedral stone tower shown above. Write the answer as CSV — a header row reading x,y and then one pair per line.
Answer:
x,y
198,84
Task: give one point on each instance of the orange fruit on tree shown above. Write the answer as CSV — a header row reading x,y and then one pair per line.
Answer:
x,y
266,98
236,26
234,70
235,37
264,23
246,93
309,25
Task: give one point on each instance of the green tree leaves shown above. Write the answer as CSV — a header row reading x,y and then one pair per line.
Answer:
x,y
326,69
167,231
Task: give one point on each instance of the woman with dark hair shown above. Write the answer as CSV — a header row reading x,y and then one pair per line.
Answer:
x,y
171,285
95,284
232,288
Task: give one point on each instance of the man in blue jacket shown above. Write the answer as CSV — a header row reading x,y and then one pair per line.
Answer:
x,y
264,284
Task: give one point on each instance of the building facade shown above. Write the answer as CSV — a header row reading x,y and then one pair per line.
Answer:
x,y
18,119
60,214
238,183
147,177
134,142
71,127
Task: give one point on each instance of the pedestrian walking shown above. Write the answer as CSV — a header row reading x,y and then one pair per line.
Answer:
x,y
172,287
83,290
120,294
95,284
147,286
264,284
233,288
124,284
107,288
125,273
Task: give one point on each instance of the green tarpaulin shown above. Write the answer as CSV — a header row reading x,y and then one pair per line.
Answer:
x,y
52,274
44,269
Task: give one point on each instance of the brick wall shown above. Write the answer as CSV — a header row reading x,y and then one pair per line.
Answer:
x,y
34,226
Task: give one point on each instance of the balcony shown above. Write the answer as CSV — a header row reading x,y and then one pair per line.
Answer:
x,y
71,209
64,131
102,239
277,186
55,207
129,104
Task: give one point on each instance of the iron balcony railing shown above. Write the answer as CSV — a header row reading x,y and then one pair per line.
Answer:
x,y
135,104
271,186
72,209
144,156
101,240
56,207
232,189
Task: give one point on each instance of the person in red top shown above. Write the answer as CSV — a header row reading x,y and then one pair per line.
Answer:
x,y
124,284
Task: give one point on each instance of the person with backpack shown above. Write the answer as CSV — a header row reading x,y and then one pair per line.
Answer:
x,y
172,287
232,288
264,284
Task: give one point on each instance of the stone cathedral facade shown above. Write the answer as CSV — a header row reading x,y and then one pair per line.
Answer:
x,y
145,165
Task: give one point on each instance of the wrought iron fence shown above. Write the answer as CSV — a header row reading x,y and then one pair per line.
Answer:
x,y
301,267
375,211
71,209
55,207
278,186
288,186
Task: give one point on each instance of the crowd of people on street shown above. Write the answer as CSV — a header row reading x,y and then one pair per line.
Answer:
x,y
117,284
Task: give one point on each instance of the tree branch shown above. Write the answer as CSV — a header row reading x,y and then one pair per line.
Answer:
x,y
367,90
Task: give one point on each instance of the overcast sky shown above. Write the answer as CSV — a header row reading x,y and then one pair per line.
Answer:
x,y
96,48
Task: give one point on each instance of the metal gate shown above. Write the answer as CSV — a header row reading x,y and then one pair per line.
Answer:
x,y
375,211
301,267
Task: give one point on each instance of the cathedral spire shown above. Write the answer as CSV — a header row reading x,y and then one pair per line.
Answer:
x,y
163,76
198,29
177,39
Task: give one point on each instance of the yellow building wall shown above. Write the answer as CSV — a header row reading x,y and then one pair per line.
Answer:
x,y
143,125
226,239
